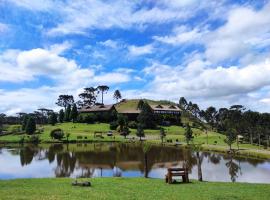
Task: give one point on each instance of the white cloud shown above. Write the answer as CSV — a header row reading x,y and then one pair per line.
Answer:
x,y
68,77
198,80
182,35
37,5
140,50
110,43
3,27
80,16
245,30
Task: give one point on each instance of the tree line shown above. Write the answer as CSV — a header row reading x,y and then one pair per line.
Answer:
x,y
233,122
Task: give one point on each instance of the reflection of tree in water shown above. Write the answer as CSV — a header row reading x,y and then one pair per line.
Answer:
x,y
233,168
27,154
214,158
66,163
86,173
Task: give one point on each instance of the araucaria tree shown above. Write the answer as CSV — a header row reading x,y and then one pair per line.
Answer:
x,y
67,114
65,100
146,117
188,133
61,116
88,96
74,113
102,89
53,119
117,95
30,126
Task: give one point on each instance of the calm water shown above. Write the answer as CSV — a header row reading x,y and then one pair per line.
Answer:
x,y
106,159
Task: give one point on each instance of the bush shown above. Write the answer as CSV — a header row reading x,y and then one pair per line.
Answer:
x,y
34,139
90,118
57,134
113,125
133,125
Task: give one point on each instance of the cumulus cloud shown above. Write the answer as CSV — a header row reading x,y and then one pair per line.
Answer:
x,y
246,29
199,80
68,77
140,50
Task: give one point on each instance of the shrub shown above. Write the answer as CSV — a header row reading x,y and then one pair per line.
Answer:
x,y
34,139
133,125
113,125
90,118
57,134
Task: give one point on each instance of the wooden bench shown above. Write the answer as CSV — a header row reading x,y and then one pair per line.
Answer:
x,y
176,172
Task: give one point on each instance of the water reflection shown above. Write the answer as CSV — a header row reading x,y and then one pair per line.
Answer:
x,y
109,159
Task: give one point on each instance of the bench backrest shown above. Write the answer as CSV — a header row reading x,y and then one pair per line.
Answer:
x,y
177,169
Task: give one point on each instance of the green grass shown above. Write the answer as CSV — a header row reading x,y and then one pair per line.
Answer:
x,y
86,131
129,188
132,104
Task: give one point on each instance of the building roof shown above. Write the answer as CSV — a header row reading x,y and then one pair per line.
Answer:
x,y
160,107
97,108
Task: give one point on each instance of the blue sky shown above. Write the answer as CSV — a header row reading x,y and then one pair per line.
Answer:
x,y
211,52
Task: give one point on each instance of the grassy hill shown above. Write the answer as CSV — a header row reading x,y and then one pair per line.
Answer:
x,y
132,104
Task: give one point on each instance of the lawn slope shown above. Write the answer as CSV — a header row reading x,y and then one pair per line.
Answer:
x,y
129,188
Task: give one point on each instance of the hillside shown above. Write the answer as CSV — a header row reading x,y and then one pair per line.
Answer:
x,y
130,105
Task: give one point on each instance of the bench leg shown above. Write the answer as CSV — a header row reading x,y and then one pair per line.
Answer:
x,y
166,178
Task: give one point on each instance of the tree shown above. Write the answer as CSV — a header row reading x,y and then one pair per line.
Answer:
x,y
210,116
162,134
183,103
146,117
74,113
188,133
24,122
64,100
230,138
88,96
140,131
67,113
117,95
53,119
122,121
2,120
102,89
125,131
61,116
30,126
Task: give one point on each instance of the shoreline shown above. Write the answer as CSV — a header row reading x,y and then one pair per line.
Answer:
x,y
249,153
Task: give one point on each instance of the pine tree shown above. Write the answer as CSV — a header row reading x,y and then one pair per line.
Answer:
x,y
53,119
74,113
61,116
30,126
67,114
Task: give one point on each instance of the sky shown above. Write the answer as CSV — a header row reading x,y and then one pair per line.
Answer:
x,y
213,52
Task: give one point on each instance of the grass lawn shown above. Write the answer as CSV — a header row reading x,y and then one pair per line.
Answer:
x,y
86,132
129,188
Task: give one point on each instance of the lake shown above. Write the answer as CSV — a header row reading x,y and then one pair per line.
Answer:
x,y
125,160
